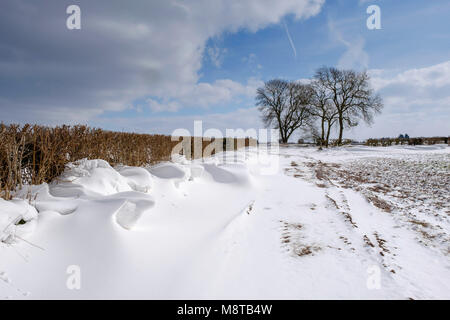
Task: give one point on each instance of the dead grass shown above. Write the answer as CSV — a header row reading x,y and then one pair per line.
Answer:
x,y
320,172
381,244
306,250
379,203
349,219
290,238
332,201
321,185
32,154
420,223
368,242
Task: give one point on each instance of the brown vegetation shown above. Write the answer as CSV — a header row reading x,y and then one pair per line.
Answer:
x,y
36,154
384,142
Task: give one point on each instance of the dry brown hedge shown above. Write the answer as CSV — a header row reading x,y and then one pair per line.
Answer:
x,y
32,154
406,141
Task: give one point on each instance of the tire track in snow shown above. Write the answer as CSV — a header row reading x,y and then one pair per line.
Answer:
x,y
370,233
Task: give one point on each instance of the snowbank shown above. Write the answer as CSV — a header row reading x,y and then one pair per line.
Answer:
x,y
229,227
89,178
17,219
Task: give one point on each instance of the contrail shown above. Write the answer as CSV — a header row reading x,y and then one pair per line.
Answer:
x,y
290,39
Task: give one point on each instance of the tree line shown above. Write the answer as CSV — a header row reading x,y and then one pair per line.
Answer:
x,y
406,140
333,97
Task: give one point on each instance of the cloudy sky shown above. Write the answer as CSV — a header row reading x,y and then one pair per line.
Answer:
x,y
157,65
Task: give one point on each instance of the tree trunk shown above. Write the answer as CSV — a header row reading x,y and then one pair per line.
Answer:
x,y
282,133
288,135
322,138
341,130
328,134
283,136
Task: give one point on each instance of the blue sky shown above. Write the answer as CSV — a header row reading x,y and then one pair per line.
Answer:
x,y
159,65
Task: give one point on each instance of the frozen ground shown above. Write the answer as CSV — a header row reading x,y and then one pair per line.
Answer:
x,y
327,225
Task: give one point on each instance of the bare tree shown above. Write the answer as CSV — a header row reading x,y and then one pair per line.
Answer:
x,y
351,95
284,105
324,110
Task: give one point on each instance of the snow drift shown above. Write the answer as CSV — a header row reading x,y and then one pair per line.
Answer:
x,y
216,228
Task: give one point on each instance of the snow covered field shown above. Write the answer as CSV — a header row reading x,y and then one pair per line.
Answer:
x,y
350,222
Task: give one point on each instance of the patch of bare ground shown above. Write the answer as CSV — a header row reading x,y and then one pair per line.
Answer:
x,y
431,235
348,217
381,244
304,250
313,171
332,201
321,185
320,173
427,235
380,247
322,169
368,242
310,164
420,223
293,241
346,241
423,180
385,252
294,171
379,203
414,189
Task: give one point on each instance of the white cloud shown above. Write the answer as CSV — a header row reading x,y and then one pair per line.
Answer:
x,y
417,102
418,106
355,57
122,53
437,76
216,55
170,106
204,95
251,60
